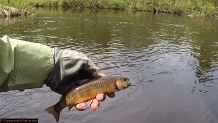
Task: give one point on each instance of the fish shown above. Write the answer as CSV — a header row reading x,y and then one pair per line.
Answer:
x,y
87,91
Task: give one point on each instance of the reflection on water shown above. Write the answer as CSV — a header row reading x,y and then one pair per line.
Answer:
x,y
172,60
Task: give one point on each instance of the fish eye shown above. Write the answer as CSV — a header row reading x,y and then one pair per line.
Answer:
x,y
125,79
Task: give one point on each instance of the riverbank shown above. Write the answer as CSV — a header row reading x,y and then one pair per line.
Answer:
x,y
192,8
6,11
9,11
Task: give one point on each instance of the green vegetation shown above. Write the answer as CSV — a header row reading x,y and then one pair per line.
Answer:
x,y
6,11
205,8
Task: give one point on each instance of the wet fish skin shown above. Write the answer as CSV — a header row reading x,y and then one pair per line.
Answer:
x,y
88,91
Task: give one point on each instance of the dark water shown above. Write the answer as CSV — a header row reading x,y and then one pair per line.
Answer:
x,y
172,60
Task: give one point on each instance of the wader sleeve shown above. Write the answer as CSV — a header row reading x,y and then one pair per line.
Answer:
x,y
23,64
71,68
6,59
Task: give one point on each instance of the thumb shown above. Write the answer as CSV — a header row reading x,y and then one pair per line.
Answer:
x,y
98,75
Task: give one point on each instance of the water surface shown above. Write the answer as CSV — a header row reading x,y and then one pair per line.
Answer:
x,y
173,61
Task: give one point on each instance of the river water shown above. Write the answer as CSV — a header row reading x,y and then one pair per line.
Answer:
x,y
172,60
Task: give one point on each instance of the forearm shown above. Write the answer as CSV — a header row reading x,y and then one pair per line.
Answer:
x,y
26,65
29,65
23,64
6,58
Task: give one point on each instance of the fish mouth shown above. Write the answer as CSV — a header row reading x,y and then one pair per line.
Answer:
x,y
129,84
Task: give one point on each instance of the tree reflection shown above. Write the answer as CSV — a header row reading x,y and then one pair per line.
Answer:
x,y
205,51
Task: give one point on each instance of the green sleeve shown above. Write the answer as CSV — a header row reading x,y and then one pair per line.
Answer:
x,y
6,59
23,64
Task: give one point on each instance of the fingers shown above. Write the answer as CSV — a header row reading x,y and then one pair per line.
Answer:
x,y
81,106
98,75
100,97
95,104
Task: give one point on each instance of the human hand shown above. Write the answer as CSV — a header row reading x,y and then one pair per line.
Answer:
x,y
99,97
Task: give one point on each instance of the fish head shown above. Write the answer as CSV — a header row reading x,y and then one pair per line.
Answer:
x,y
122,83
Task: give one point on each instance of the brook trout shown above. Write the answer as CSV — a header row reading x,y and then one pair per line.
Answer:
x,y
88,91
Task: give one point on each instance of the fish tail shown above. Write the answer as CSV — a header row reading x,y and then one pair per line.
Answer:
x,y
52,110
56,109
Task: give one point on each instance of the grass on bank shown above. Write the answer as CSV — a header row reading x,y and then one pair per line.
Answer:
x,y
6,11
205,8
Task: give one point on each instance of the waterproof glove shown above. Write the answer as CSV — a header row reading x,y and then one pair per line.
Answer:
x,y
70,69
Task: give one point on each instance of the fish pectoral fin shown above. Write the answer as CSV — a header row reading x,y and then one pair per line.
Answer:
x,y
88,103
70,107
